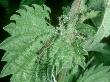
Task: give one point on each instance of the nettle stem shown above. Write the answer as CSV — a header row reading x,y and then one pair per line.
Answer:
x,y
75,9
73,18
74,12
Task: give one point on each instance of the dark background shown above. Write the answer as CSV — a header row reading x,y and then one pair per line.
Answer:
x,y
4,20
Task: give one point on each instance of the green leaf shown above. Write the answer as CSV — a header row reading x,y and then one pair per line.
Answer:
x,y
86,30
103,31
96,4
90,15
36,51
105,26
27,32
98,19
96,74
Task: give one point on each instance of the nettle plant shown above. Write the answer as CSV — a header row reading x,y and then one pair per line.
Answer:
x,y
73,51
